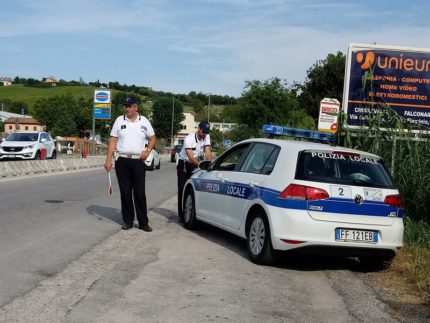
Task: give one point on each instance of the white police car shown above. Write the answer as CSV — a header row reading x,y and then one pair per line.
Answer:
x,y
307,196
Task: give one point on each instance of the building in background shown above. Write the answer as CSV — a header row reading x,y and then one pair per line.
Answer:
x,y
6,81
22,124
51,80
222,126
189,125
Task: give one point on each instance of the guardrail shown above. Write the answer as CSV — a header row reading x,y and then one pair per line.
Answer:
x,y
29,167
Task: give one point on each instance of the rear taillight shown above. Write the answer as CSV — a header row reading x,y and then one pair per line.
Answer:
x,y
301,192
394,200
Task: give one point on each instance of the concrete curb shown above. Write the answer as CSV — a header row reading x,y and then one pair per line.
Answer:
x,y
29,167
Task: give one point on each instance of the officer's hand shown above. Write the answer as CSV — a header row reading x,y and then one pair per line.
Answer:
x,y
144,154
108,165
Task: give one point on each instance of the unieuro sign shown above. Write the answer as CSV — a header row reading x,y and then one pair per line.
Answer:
x,y
102,96
380,79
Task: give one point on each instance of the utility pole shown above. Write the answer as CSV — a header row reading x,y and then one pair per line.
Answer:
x,y
173,111
209,106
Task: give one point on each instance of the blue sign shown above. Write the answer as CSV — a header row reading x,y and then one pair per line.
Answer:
x,y
227,143
101,113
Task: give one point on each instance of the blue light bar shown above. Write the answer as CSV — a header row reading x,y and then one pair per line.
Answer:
x,y
272,131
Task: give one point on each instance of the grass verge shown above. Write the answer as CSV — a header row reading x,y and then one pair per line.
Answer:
x,y
412,263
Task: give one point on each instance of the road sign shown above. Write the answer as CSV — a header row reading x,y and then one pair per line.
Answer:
x,y
227,143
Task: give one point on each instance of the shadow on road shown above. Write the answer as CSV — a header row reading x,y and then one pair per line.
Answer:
x,y
287,260
105,212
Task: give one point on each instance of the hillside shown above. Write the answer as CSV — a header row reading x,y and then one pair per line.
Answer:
x,y
30,95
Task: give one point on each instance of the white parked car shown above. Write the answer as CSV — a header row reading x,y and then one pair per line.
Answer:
x,y
27,145
304,196
153,160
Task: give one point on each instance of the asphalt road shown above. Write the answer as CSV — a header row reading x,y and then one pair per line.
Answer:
x,y
48,221
64,259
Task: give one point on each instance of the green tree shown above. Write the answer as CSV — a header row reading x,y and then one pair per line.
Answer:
x,y
18,107
265,102
64,115
217,138
162,117
324,80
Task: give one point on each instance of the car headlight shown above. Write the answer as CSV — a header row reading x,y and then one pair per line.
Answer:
x,y
29,147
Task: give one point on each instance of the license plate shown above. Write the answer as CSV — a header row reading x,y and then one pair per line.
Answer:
x,y
356,235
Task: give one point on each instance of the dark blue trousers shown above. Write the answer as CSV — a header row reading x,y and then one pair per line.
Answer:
x,y
131,175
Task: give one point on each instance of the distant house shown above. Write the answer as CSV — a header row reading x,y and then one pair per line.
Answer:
x,y
6,81
4,115
22,124
50,80
223,126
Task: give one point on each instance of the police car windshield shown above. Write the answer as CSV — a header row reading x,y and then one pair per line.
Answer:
x,y
21,136
342,168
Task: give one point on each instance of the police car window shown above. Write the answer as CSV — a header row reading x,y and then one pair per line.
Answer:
x,y
231,158
338,168
258,158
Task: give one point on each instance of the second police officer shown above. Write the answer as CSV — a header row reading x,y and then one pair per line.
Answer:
x,y
197,147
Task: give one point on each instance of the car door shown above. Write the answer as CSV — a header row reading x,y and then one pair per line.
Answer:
x,y
47,143
211,186
245,184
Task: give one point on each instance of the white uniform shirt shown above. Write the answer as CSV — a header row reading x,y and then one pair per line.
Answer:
x,y
198,146
132,136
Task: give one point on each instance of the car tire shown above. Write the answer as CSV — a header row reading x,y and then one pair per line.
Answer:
x,y
369,263
189,211
258,239
54,154
37,156
152,166
159,164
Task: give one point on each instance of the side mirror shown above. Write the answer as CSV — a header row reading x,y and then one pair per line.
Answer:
x,y
3,139
204,165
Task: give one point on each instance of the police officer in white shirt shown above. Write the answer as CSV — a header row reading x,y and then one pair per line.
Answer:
x,y
129,135
197,147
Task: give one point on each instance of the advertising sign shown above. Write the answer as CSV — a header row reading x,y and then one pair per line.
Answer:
x,y
102,104
329,112
379,78
102,96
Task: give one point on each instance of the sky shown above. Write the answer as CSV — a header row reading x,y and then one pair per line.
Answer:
x,y
208,46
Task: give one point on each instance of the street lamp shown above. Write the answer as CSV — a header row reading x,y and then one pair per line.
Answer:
x,y
173,111
209,106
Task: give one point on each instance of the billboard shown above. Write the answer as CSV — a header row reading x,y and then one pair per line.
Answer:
x,y
378,78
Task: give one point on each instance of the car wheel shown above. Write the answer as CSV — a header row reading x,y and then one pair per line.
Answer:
x,y
190,220
152,166
54,154
159,164
370,263
37,156
258,240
